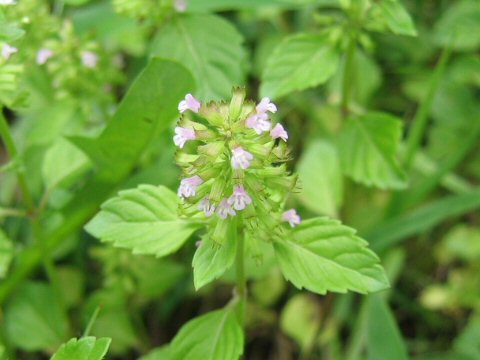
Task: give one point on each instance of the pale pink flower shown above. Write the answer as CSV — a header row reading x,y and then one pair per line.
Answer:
x,y
188,186
292,217
182,135
189,103
89,59
207,207
265,105
240,198
279,132
241,158
8,50
225,209
259,122
43,55
198,243
180,5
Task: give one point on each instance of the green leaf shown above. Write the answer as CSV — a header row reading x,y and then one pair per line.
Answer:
x,y
368,149
397,18
33,319
88,348
468,342
148,108
143,220
299,62
322,179
384,340
323,255
300,319
6,253
161,353
63,162
211,260
213,336
459,26
222,5
210,47
422,219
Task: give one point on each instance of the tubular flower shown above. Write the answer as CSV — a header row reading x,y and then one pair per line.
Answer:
x,y
43,55
291,217
231,174
8,50
89,59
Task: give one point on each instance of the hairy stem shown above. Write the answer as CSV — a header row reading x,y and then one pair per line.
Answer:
x,y
241,286
12,151
348,74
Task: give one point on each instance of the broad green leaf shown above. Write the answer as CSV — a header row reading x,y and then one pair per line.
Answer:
x,y
6,253
33,319
468,342
422,219
143,220
63,162
211,260
323,255
88,348
322,179
161,353
210,47
148,108
397,18
300,319
459,26
368,150
213,336
10,31
384,340
299,62
267,289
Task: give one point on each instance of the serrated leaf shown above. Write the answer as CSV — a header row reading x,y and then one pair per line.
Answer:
x,y
33,319
321,178
323,255
368,149
6,253
299,62
397,18
143,220
88,348
213,336
63,161
210,47
384,339
211,261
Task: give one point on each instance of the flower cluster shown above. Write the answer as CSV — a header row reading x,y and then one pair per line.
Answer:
x,y
233,162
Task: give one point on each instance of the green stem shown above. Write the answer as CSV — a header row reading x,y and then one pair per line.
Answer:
x,y
91,322
348,74
241,281
12,151
421,117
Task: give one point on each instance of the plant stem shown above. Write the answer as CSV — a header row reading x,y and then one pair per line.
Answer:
x,y
348,74
241,287
91,322
12,151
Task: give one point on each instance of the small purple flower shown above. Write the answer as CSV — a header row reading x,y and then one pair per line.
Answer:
x,y
259,123
89,59
241,158
265,105
180,5
207,207
292,217
8,50
188,186
225,209
279,132
43,55
182,135
189,103
240,198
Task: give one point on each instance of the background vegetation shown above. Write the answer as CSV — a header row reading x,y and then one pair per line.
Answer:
x,y
381,101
